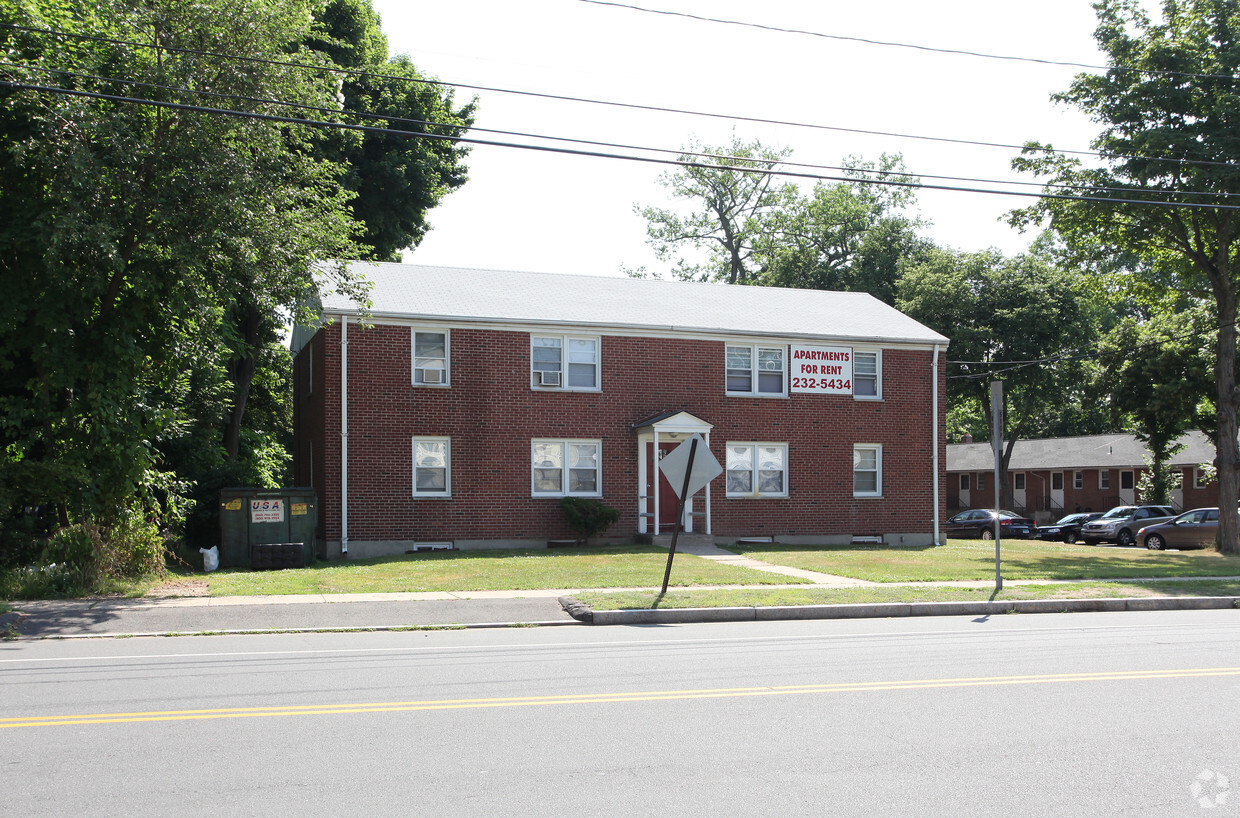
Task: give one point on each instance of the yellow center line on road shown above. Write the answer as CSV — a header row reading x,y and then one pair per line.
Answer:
x,y
605,698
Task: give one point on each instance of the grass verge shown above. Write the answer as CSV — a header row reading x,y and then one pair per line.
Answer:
x,y
527,569
975,560
732,598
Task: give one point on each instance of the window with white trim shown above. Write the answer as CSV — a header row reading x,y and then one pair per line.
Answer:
x,y
1126,480
964,482
564,362
432,467
430,357
756,370
867,470
1056,481
867,374
567,468
1018,481
1201,478
1104,478
757,470
1078,480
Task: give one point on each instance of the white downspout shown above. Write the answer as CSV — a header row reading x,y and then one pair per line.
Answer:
x,y
344,436
934,437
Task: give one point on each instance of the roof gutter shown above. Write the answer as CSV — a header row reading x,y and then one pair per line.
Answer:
x,y
344,436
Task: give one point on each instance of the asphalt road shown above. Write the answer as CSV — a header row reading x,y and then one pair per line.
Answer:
x,y
1081,714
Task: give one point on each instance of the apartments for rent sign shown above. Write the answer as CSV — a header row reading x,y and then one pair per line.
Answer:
x,y
822,370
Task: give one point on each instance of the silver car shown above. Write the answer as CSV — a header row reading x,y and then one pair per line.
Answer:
x,y
1121,524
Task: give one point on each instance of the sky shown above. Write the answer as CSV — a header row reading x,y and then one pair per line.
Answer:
x,y
545,212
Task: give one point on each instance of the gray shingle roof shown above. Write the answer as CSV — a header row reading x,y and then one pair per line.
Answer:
x,y
412,291
1112,451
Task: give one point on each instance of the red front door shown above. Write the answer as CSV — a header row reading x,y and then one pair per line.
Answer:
x,y
668,502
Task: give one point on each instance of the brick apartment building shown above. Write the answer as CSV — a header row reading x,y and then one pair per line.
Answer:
x,y
1055,476
466,403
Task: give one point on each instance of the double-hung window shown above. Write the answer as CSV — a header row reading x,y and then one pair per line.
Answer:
x,y
1104,479
757,470
867,470
430,357
867,374
756,370
567,468
564,362
432,467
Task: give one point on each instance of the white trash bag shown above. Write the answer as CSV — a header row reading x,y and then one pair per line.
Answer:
x,y
210,558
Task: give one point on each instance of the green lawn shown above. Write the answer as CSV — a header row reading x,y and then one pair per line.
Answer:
x,y
619,567
975,560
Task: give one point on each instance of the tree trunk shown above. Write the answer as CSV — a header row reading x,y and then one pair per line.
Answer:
x,y
242,373
1228,457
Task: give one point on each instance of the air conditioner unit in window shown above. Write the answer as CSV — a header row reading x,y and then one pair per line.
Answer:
x,y
546,378
432,376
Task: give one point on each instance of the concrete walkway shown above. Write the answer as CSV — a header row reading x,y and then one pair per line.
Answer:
x,y
714,552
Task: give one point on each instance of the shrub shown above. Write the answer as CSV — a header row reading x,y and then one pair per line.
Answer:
x,y
588,517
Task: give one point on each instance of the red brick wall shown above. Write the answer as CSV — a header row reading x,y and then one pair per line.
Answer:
x,y
491,414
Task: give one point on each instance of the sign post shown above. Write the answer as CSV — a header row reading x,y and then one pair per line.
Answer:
x,y
684,466
996,442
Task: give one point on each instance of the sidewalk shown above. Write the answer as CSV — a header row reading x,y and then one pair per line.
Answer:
x,y
67,619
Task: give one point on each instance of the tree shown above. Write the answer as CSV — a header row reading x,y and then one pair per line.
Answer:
x,y
129,234
849,236
394,180
1021,320
731,216
1156,377
1168,109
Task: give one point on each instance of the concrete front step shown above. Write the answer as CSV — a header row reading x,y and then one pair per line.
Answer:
x,y
665,540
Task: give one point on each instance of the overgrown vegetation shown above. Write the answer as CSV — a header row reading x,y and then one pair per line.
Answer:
x,y
151,255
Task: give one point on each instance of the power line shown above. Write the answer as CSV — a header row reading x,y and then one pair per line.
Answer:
x,y
611,103
1074,355
599,154
913,46
593,143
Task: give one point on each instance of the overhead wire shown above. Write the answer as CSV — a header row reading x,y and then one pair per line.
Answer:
x,y
861,174
913,46
599,154
610,103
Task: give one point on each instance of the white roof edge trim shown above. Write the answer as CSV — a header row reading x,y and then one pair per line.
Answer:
x,y
636,330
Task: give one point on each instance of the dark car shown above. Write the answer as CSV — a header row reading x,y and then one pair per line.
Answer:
x,y
1192,529
980,522
1067,529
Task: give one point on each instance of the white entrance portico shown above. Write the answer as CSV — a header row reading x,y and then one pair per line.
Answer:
x,y
656,499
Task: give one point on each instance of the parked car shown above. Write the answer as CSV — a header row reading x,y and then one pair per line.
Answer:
x,y
980,522
1068,528
1121,524
1192,529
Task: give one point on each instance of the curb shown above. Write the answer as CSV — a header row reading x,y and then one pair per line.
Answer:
x,y
322,629
895,609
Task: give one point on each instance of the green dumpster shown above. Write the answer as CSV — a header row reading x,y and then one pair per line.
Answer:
x,y
250,517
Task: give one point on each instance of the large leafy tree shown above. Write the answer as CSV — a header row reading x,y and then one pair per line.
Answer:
x,y
1021,320
745,227
731,212
851,236
1156,377
1169,108
129,234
